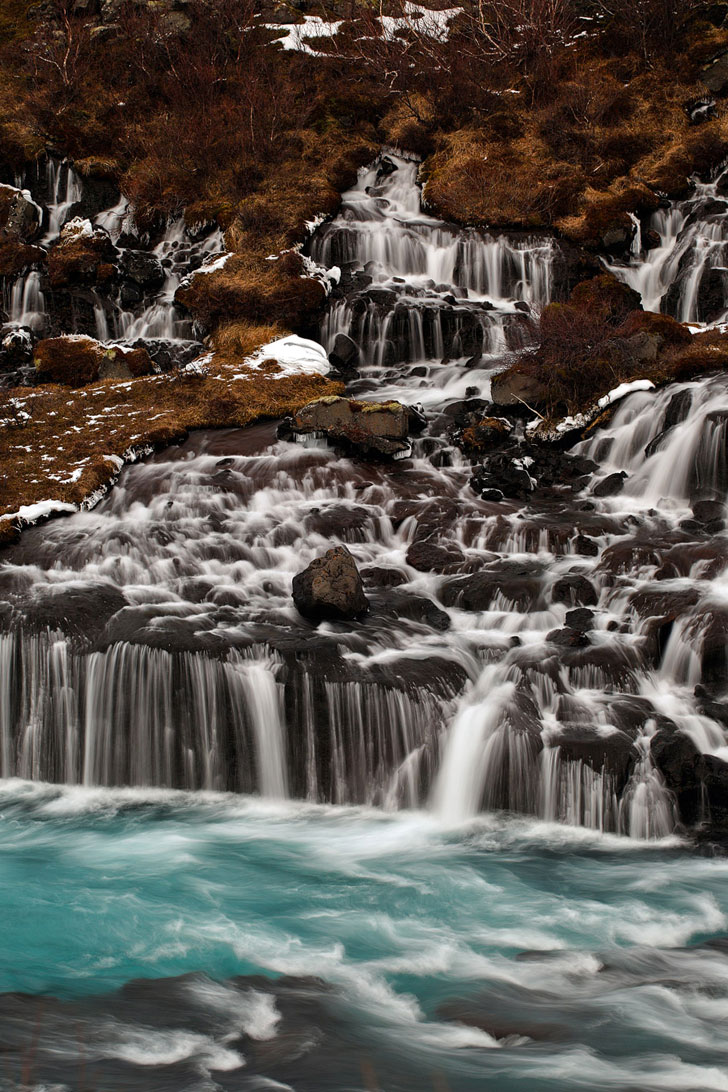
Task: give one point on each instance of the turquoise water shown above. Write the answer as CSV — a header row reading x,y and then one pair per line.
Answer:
x,y
506,955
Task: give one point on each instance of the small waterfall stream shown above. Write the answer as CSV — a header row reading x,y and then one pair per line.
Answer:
x,y
679,263
153,641
137,306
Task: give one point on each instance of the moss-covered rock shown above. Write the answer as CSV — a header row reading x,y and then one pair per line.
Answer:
x,y
77,360
82,255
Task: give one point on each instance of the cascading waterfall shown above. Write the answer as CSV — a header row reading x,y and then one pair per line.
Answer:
x,y
683,272
106,313
153,641
426,290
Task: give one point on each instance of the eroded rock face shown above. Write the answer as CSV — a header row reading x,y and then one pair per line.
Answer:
x,y
330,588
20,218
371,428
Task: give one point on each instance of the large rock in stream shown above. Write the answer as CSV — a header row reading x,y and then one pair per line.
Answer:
x,y
330,588
371,428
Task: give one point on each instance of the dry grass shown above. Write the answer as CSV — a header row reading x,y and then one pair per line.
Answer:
x,y
70,446
597,149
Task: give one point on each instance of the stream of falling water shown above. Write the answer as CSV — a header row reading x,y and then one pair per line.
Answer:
x,y
408,895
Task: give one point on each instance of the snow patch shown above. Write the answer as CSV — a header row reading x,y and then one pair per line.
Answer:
x,y
294,355
581,420
31,513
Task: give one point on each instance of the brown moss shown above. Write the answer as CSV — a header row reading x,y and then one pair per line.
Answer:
x,y
605,299
669,329
76,361
254,290
85,259
235,341
482,436
16,257
704,352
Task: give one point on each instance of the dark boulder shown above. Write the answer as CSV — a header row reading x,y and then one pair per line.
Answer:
x,y
516,582
344,357
517,388
20,218
142,268
681,765
430,557
581,619
613,752
575,590
330,588
81,609
611,485
715,74
504,474
568,638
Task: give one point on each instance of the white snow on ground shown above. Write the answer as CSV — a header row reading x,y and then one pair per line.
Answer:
x,y
417,17
567,424
30,513
294,355
434,24
212,265
294,36
624,389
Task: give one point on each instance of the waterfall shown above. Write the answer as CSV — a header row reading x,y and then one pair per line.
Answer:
x,y
25,303
63,188
153,641
683,272
154,317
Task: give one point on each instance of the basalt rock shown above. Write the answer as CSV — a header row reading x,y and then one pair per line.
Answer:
x,y
370,428
505,474
431,557
611,485
514,388
330,588
613,752
142,268
344,357
574,590
20,218
515,582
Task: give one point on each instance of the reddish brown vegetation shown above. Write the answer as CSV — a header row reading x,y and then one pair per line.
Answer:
x,y
599,339
76,361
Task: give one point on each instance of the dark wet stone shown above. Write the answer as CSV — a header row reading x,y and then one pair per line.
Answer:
x,y
429,557
613,752
79,609
581,619
330,588
339,521
382,578
568,638
707,511
586,546
611,485
575,590
519,583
